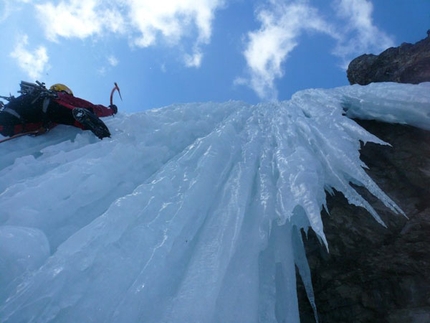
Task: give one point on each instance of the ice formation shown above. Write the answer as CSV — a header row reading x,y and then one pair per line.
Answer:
x,y
189,213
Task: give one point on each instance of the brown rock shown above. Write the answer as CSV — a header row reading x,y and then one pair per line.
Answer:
x,y
372,273
408,63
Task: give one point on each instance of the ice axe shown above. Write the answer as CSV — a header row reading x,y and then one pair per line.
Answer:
x,y
116,88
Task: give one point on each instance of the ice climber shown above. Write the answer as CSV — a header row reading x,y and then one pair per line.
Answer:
x,y
37,110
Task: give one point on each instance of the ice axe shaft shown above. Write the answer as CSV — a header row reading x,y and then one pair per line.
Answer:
x,y
33,132
116,88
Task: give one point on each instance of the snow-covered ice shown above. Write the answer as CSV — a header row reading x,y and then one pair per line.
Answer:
x,y
189,213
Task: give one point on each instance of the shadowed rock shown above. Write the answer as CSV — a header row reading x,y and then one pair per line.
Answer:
x,y
372,273
408,63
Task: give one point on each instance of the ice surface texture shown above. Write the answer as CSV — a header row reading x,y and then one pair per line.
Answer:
x,y
189,213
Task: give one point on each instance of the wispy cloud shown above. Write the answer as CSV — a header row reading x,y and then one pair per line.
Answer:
x,y
282,24
80,19
172,21
113,61
268,47
144,22
359,35
7,7
4,10
34,63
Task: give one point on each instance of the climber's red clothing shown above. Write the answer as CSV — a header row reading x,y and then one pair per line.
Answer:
x,y
71,102
27,113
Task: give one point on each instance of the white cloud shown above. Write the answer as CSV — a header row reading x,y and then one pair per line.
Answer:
x,y
172,21
78,18
113,61
268,47
4,10
193,60
7,7
360,35
282,24
145,22
33,63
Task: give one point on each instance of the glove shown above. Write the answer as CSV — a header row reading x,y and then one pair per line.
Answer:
x,y
114,108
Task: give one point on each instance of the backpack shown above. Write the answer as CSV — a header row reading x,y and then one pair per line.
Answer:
x,y
31,94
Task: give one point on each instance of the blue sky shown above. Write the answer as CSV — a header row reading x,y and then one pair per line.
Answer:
x,y
176,51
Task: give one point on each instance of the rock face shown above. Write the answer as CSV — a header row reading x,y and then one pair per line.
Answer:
x,y
408,63
372,273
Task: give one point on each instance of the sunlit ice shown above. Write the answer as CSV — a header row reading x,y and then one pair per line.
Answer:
x,y
188,213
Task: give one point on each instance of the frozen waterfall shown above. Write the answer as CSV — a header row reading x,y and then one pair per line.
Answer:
x,y
189,213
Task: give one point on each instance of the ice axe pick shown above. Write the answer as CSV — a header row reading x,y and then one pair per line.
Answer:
x,y
116,88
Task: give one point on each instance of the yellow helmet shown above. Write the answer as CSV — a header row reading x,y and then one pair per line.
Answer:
x,y
61,88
